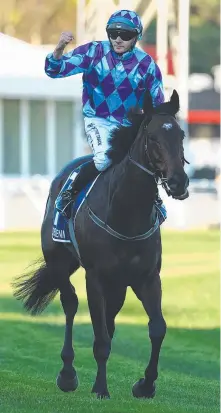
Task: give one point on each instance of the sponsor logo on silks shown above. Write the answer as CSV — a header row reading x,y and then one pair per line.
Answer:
x,y
97,134
167,126
58,233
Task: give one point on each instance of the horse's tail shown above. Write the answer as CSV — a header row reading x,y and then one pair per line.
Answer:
x,y
39,285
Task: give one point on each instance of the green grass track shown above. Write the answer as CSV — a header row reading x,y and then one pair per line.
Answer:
x,y
189,363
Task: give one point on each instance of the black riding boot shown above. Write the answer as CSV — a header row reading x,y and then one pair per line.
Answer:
x,y
87,172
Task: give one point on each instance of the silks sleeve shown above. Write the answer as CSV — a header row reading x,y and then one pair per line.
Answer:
x,y
154,84
76,61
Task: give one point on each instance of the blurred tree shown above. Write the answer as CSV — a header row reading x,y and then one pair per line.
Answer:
x,y
204,48
37,21
205,11
10,15
204,35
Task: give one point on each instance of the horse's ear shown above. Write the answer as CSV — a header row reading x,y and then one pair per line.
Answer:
x,y
147,103
134,111
175,101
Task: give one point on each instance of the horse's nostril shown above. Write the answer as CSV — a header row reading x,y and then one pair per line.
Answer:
x,y
173,186
178,183
173,183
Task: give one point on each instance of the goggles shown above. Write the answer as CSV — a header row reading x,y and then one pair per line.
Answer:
x,y
125,35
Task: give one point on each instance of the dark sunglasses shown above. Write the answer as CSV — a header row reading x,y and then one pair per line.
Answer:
x,y
124,35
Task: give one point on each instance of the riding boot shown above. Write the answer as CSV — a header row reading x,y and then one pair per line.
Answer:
x,y
85,174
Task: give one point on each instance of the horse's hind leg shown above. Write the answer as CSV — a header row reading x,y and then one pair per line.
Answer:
x,y
150,294
67,379
65,264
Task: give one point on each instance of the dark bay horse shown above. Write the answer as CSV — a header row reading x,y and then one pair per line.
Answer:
x,y
119,241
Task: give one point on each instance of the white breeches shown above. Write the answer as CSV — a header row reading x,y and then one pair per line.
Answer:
x,y
98,131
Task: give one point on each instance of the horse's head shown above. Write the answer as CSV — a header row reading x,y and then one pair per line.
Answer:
x,y
164,152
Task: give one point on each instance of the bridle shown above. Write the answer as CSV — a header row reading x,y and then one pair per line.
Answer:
x,y
157,175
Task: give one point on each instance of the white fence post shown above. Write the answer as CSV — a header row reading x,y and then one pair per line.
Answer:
x,y
24,135
51,138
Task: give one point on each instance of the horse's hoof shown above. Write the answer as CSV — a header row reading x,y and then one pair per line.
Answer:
x,y
103,395
141,390
100,394
67,384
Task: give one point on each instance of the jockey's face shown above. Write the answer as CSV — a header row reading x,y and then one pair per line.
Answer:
x,y
119,45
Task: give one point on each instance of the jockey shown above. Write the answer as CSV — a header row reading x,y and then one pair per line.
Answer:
x,y
116,75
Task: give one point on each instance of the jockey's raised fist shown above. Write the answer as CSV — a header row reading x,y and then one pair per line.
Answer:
x,y
65,38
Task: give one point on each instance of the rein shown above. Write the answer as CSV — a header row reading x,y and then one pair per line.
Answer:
x,y
160,180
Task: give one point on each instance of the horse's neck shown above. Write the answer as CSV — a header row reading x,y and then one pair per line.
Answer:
x,y
132,195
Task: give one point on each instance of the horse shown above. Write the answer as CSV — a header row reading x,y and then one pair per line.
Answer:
x,y
118,236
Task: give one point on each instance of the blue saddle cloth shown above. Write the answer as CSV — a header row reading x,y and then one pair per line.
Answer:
x,y
161,211
60,231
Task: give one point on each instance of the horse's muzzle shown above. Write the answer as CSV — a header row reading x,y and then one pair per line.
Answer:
x,y
178,185
182,197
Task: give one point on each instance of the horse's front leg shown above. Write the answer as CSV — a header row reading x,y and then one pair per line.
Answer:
x,y
102,341
150,295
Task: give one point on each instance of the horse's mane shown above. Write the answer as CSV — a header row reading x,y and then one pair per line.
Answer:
x,y
123,137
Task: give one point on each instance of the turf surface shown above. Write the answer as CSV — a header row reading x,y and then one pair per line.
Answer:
x,y
189,364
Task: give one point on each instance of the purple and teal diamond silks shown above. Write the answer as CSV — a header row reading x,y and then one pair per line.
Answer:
x,y
112,84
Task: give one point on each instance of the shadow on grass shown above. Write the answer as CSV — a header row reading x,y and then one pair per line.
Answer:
x,y
189,352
